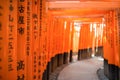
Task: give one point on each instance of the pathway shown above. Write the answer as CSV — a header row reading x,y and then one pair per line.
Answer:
x,y
82,70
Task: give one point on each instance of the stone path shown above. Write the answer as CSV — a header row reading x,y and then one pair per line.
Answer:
x,y
82,70
89,69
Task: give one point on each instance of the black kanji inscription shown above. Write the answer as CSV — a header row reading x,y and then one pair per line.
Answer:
x,y
21,30
11,8
21,77
21,9
21,19
20,65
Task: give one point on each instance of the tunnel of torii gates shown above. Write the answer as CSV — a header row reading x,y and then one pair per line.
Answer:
x,y
34,40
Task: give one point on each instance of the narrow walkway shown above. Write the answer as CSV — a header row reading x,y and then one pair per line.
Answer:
x,y
82,70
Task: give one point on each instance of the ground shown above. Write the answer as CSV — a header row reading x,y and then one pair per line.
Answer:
x,y
82,70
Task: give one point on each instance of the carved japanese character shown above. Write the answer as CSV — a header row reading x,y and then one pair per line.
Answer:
x,y
11,1
21,30
34,61
28,8
10,46
35,2
39,63
22,0
10,58
35,21
0,14
0,26
28,53
28,3
35,53
21,77
34,57
11,8
20,65
21,9
35,16
34,77
34,70
21,20
39,57
11,18
35,66
39,71
0,59
11,27
39,77
1,7
10,67
0,69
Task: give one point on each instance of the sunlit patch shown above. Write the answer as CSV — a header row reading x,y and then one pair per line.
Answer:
x,y
93,55
100,58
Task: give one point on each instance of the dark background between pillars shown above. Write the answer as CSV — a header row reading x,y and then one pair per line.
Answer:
x,y
71,54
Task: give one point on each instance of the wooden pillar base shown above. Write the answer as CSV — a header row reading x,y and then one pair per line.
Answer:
x,y
113,72
79,54
119,73
60,59
90,52
52,64
65,58
44,75
83,54
71,54
48,70
56,60
106,68
99,52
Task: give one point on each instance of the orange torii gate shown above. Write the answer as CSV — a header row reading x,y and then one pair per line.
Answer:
x,y
111,45
32,39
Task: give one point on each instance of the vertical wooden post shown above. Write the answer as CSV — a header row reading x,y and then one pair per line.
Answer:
x,y
4,11
29,43
118,14
21,39
71,50
12,40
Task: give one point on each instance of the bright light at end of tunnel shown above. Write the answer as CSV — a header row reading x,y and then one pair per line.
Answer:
x,y
70,27
77,26
91,27
65,23
93,55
